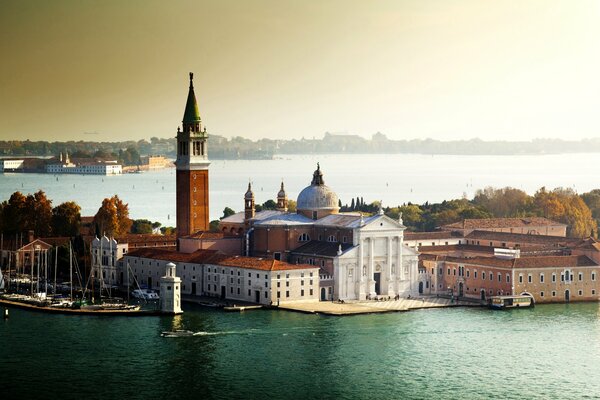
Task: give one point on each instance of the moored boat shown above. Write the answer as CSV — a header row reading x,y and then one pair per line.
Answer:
x,y
506,302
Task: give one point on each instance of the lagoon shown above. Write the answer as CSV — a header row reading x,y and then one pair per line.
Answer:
x,y
393,178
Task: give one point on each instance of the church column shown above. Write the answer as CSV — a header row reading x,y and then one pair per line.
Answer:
x,y
360,279
389,266
399,268
371,280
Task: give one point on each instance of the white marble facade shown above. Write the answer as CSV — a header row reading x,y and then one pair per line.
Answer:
x,y
378,265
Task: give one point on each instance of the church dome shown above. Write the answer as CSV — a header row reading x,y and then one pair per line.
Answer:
x,y
317,196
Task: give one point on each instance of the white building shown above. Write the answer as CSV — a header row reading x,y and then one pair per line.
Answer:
x,y
232,278
105,256
378,263
90,168
11,165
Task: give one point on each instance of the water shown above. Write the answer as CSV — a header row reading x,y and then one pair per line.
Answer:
x,y
393,178
549,352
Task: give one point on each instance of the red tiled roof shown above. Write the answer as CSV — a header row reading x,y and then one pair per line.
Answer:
x,y
502,223
214,257
430,235
526,262
145,238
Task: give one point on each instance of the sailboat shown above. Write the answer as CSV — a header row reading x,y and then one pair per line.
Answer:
x,y
96,277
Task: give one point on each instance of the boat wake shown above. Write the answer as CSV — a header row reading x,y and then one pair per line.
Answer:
x,y
186,333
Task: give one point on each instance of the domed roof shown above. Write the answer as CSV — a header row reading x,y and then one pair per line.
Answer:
x,y
317,196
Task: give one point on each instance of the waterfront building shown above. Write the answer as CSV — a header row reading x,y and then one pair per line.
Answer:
x,y
358,257
234,278
547,279
105,254
192,170
96,167
11,164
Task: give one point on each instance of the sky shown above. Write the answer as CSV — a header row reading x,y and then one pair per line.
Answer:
x,y
440,69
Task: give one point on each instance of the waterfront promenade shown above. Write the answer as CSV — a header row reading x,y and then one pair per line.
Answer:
x,y
371,306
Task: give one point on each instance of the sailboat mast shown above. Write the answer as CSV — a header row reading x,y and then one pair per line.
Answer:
x,y
71,269
55,266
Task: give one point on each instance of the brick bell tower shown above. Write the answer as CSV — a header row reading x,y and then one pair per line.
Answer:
x,y
192,170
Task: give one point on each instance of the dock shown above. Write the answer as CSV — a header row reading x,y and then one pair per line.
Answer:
x,y
374,307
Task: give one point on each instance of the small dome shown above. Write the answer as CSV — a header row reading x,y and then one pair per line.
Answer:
x,y
317,196
249,194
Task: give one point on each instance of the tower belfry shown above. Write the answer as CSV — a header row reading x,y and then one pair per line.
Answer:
x,y
192,170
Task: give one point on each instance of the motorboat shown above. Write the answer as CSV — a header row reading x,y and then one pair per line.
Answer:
x,y
145,294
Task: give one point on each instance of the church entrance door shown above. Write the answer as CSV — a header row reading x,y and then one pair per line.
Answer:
x,y
377,279
323,294
460,290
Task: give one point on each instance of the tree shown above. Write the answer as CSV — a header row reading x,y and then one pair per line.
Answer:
x,y
505,202
38,213
214,225
66,219
352,205
112,217
227,212
292,206
143,226
13,211
269,205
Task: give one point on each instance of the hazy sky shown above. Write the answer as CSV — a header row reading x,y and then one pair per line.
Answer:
x,y
505,69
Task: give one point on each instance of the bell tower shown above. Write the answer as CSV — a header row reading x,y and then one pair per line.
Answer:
x,y
192,170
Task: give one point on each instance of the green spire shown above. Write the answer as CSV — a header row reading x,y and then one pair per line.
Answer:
x,y
191,113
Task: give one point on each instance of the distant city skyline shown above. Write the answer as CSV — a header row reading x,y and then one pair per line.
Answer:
x,y
446,70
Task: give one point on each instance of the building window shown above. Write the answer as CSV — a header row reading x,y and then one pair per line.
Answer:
x,y
311,292
302,283
520,278
593,276
287,293
266,294
302,292
475,274
499,277
507,278
287,283
529,278
468,273
278,294
553,277
441,271
593,292
238,290
266,284
249,292
278,284
344,239
580,292
580,276
541,278
541,294
483,275
553,293
491,276
331,238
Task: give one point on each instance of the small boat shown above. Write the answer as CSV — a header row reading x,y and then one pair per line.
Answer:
x,y
145,294
506,302
177,333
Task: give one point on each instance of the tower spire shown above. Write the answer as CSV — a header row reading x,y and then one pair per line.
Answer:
x,y
191,115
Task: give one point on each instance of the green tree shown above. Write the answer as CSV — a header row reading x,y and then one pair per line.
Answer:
x,y
269,205
227,212
38,213
66,219
13,213
143,226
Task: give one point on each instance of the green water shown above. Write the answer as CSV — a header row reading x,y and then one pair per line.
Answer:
x,y
550,352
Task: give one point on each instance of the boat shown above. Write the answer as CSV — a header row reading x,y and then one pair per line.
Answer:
x,y
177,333
145,294
506,302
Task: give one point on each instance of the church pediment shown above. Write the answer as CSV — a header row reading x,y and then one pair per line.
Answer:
x,y
381,223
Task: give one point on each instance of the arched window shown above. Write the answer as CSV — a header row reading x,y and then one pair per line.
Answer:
x,y
332,238
304,237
